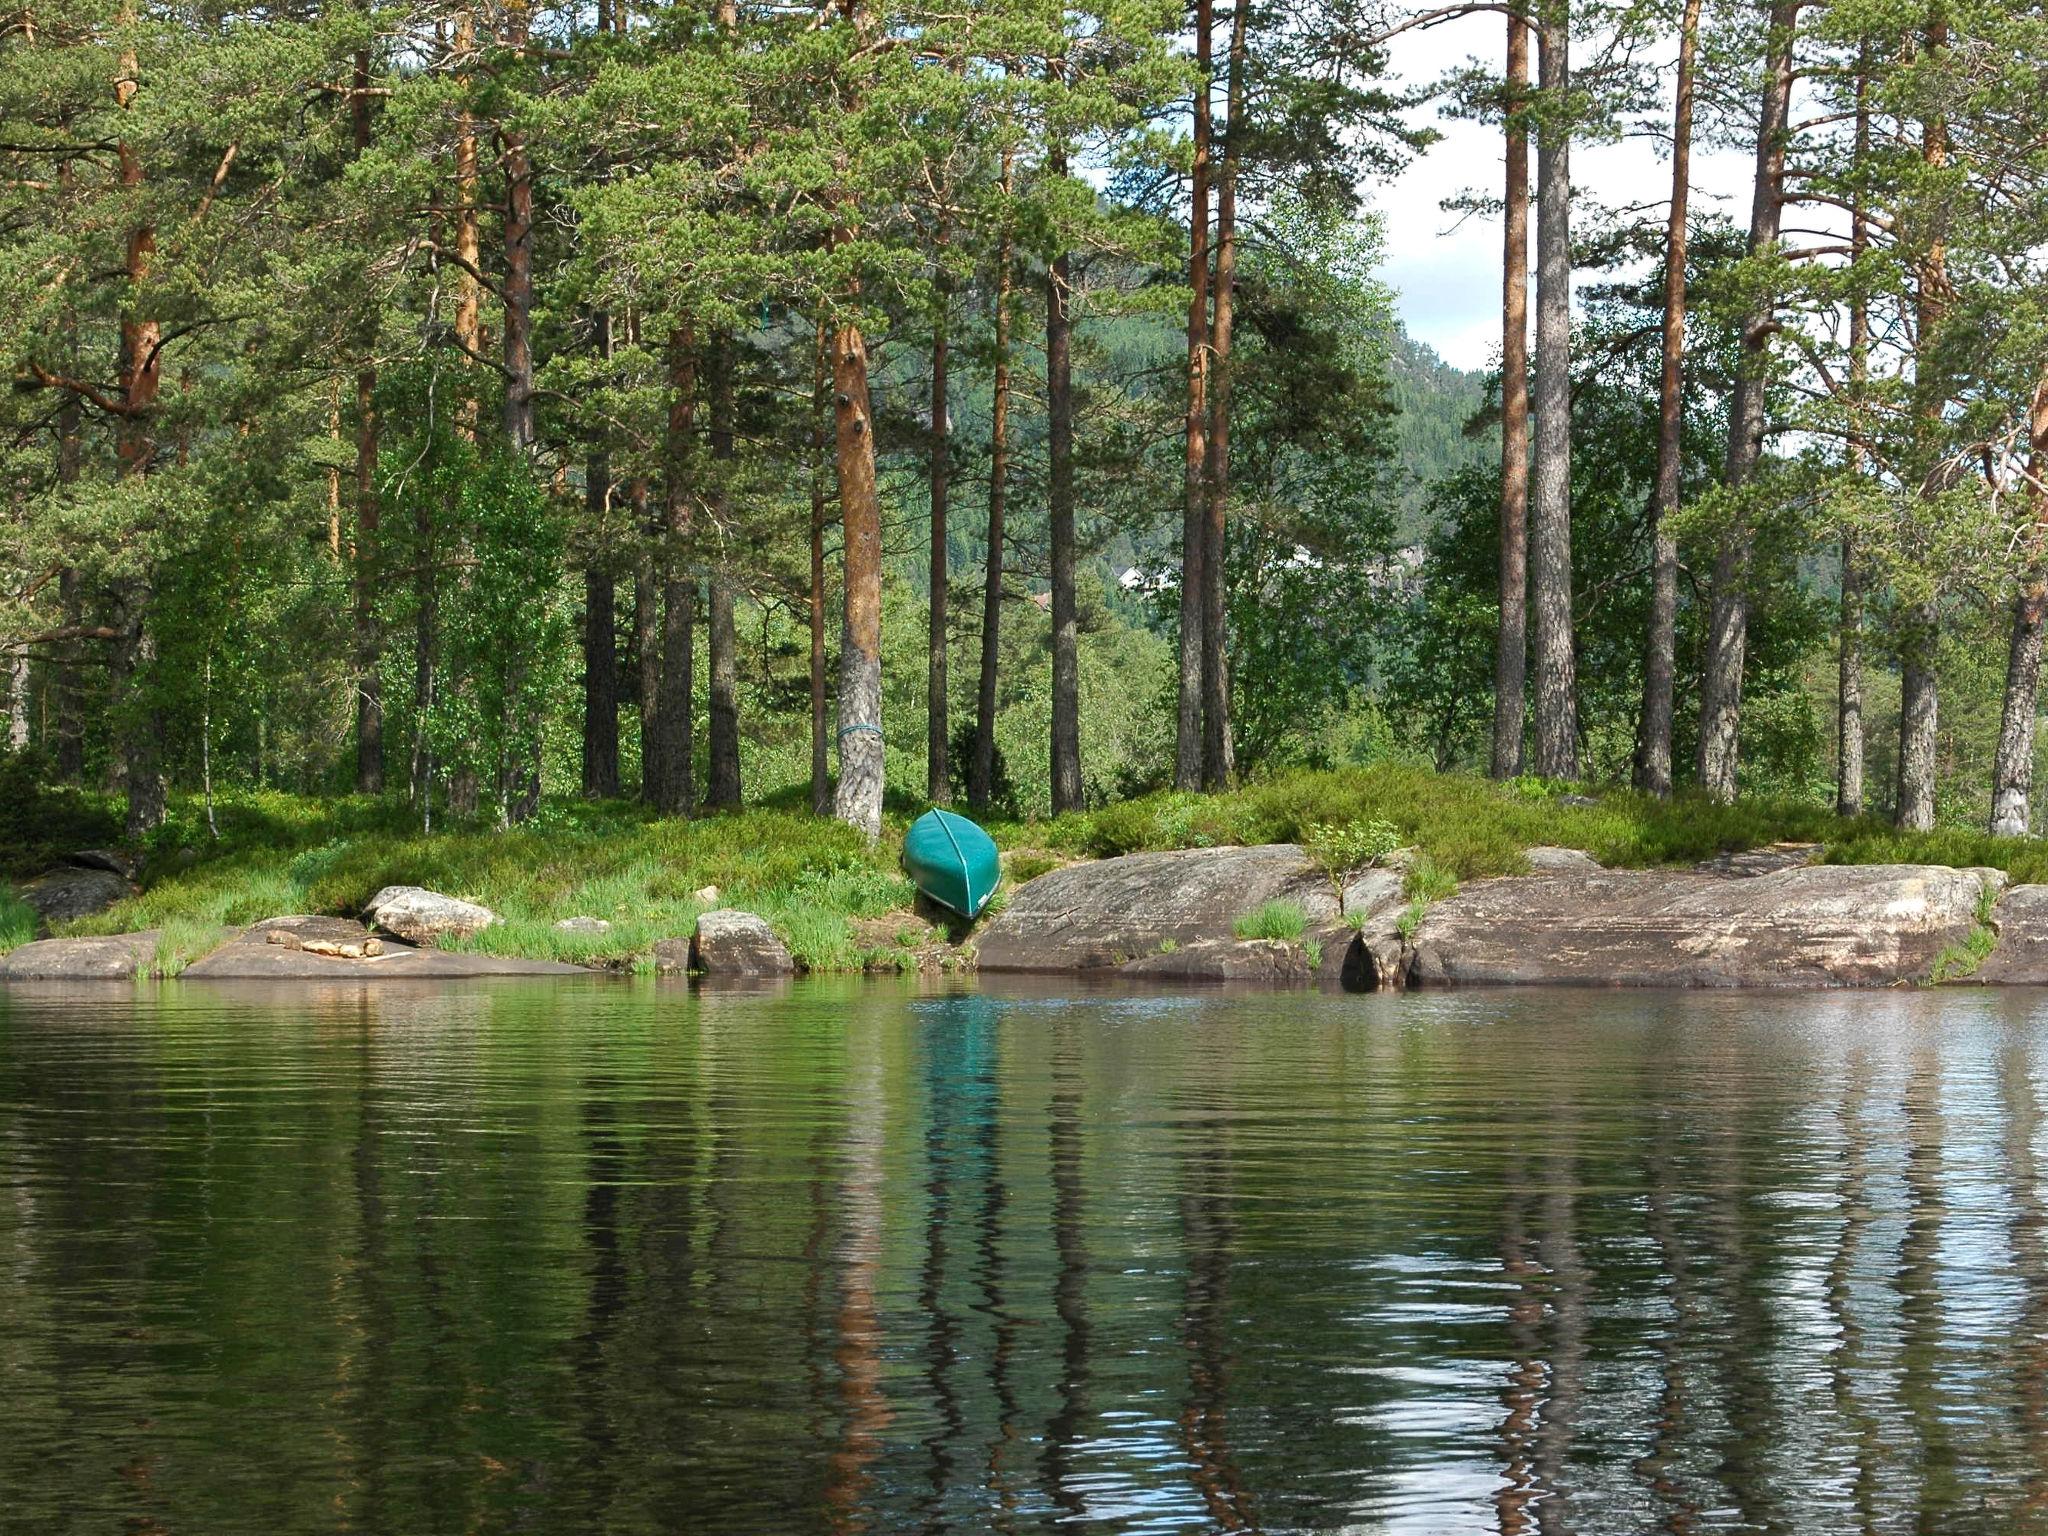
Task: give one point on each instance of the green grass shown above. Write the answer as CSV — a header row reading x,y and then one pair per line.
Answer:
x,y
1278,919
818,883
1467,825
183,940
17,921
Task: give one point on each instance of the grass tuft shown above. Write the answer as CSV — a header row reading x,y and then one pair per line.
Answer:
x,y
183,940
1278,919
17,921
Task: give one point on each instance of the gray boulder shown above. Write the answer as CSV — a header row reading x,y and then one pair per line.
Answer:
x,y
1101,915
730,943
74,891
1547,860
1807,926
672,957
1267,961
102,858
2021,958
112,957
591,925
420,916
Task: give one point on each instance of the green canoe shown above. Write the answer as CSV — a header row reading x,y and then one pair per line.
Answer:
x,y
952,861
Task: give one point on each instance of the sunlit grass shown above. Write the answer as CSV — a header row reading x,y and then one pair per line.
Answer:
x,y
17,921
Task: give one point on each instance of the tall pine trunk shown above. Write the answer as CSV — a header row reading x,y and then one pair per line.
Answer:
x,y
1059,510
1919,685
938,776
821,761
858,800
1653,760
1728,614
600,613
1511,647
1849,648
368,636
647,641
468,318
2012,774
676,690
724,790
1187,748
1219,757
981,771
518,336
138,718
1550,511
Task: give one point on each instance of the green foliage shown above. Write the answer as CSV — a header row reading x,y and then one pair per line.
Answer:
x,y
1960,960
1027,864
1353,845
1276,919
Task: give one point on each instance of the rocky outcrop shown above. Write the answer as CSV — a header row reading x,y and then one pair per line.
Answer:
x,y
1767,860
112,957
1097,916
589,926
73,891
730,943
1560,861
421,916
1805,926
2020,958
1258,960
254,955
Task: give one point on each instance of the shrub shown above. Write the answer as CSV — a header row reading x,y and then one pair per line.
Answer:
x,y
1028,864
1338,849
17,921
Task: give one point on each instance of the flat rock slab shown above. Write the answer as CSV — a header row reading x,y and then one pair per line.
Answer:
x,y
1096,916
1260,960
250,956
1809,926
2021,958
731,943
1548,860
113,957
1745,863
74,891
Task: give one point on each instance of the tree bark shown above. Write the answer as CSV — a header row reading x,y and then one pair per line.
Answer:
x,y
600,614
1728,617
677,689
938,776
1059,409
518,337
1219,755
1511,648
468,318
647,643
69,756
1550,512
1849,657
858,800
1187,753
724,791
1918,719
1653,760
821,761
2012,777
1919,686
368,634
139,720
981,772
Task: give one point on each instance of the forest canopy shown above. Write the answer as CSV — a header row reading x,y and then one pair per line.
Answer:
x,y
728,403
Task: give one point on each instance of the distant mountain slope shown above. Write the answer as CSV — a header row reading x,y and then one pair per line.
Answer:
x,y
1435,402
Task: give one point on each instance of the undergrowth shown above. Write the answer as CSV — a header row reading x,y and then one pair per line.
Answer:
x,y
17,921
1277,919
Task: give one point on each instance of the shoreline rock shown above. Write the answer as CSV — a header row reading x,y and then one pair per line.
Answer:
x,y
421,916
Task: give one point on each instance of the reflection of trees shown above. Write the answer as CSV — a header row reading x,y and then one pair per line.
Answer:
x,y
1673,1423
1070,1281
1848,1359
944,1047
2022,1122
1920,1387
858,1353
1557,1249
1209,1237
1520,1394
989,1277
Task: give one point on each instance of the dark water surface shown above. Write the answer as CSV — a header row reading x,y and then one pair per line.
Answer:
x,y
606,1257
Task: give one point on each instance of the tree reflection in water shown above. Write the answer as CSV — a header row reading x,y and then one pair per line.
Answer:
x,y
862,1257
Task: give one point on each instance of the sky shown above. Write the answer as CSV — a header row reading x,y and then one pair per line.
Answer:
x,y
1445,267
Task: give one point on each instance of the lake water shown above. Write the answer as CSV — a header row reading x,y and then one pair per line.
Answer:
x,y
864,1256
